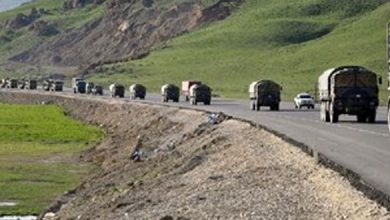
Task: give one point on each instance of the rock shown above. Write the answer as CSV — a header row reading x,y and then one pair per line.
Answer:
x,y
50,216
22,20
19,21
43,28
72,4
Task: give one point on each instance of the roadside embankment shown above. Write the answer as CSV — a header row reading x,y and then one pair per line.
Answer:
x,y
192,169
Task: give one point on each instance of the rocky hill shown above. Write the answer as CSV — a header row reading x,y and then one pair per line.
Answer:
x,y
129,29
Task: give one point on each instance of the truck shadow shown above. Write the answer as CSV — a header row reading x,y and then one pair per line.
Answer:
x,y
381,122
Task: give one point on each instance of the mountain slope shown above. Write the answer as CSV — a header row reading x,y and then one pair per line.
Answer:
x,y
128,29
291,43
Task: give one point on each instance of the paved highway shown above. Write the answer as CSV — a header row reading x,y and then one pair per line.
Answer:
x,y
361,147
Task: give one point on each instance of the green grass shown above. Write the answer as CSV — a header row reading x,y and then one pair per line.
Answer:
x,y
290,42
38,145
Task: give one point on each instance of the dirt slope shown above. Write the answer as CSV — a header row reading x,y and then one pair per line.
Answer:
x,y
128,30
195,170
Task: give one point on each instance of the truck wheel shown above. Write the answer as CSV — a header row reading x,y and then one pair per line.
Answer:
x,y
277,107
327,115
176,100
361,118
334,117
372,116
257,107
252,105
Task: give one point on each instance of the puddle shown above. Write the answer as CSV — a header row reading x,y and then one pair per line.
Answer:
x,y
18,218
7,204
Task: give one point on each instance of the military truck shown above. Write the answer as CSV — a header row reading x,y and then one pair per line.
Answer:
x,y
12,84
78,85
170,92
57,86
200,93
88,87
117,90
351,90
185,88
30,84
264,93
137,91
97,90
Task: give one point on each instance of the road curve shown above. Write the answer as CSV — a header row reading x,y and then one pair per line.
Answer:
x,y
361,147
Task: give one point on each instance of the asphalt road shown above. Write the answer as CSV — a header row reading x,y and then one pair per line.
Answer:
x,y
361,147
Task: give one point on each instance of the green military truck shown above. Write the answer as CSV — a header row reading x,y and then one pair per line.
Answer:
x,y
264,93
170,92
351,90
137,91
200,93
117,90
78,85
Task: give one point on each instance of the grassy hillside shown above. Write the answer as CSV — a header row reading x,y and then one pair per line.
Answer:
x,y
36,162
290,42
23,38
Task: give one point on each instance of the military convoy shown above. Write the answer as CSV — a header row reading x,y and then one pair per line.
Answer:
x,y
351,90
170,92
137,91
264,93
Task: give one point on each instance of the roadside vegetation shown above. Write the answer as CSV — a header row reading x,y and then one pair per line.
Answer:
x,y
290,42
38,156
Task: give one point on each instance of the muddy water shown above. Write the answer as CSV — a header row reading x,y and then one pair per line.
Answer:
x,y
6,5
